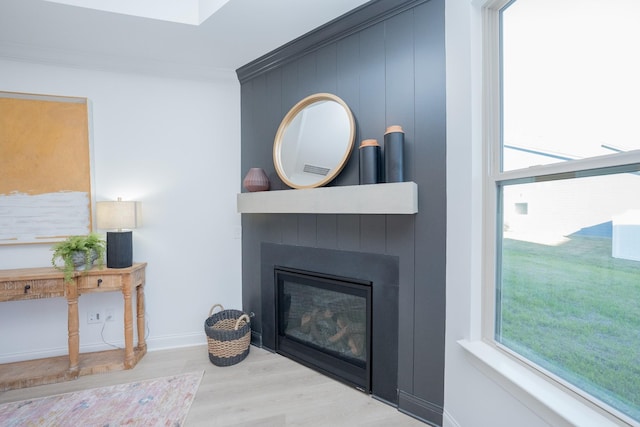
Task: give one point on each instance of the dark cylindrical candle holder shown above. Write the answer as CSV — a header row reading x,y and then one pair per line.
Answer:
x,y
394,154
370,163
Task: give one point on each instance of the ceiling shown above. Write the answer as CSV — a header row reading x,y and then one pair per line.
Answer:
x,y
239,32
184,11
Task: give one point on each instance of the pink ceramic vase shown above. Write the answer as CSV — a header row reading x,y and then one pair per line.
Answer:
x,y
256,180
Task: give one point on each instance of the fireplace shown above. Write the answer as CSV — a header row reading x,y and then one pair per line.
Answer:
x,y
334,311
324,322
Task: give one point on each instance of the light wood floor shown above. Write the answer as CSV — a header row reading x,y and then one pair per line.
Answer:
x,y
265,390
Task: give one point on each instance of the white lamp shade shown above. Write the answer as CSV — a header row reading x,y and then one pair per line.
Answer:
x,y
118,215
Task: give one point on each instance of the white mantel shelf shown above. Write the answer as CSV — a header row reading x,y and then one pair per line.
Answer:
x,y
392,198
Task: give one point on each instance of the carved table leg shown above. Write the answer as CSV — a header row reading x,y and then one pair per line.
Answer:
x,y
74,336
142,345
129,360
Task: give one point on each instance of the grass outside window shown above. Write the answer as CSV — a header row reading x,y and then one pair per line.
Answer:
x,y
574,310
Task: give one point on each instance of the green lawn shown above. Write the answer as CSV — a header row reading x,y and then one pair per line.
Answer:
x,y
575,311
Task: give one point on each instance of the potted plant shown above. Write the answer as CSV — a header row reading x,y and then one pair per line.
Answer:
x,y
78,253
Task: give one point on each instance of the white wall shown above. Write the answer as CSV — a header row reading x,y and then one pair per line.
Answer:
x,y
174,145
471,398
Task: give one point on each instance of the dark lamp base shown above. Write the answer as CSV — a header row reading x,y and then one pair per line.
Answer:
x,y
119,249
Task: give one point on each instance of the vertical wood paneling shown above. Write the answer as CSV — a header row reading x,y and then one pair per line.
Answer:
x,y
256,157
250,91
399,83
317,74
288,224
307,230
400,96
372,81
251,301
271,230
327,69
327,231
307,77
349,232
290,89
272,119
372,233
348,83
255,230
252,232
430,151
246,132
371,119
403,244
348,88
391,72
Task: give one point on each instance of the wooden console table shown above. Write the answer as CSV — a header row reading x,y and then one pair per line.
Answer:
x,y
33,283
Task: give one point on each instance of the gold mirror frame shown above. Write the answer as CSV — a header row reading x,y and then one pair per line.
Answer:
x,y
284,126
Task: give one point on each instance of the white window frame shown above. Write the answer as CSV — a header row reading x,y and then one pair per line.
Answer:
x,y
555,401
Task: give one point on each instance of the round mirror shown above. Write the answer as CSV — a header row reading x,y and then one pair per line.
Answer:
x,y
314,141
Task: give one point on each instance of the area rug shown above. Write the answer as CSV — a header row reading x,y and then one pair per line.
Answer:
x,y
157,402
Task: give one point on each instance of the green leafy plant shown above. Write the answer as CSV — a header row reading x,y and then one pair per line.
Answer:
x,y
90,246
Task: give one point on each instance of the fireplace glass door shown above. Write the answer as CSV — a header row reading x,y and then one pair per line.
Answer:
x,y
324,322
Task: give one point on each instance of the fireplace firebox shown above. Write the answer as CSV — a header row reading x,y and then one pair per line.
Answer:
x,y
324,322
333,310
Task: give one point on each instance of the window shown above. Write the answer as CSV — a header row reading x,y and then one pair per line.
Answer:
x,y
522,208
567,156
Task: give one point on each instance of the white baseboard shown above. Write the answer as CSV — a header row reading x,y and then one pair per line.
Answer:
x,y
153,344
56,351
176,341
32,355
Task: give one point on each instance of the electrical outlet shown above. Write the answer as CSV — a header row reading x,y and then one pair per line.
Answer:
x,y
109,315
94,317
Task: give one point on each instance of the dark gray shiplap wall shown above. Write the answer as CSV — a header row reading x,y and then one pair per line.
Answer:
x,y
386,60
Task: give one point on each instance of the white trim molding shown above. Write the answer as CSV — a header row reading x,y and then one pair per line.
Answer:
x,y
551,400
553,404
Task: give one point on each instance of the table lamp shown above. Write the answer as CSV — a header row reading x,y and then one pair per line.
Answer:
x,y
120,216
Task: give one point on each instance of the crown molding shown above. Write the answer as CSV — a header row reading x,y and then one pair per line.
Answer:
x,y
350,23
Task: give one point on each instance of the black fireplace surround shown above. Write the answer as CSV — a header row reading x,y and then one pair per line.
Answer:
x,y
370,277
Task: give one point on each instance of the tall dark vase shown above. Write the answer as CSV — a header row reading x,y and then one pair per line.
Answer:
x,y
394,154
370,164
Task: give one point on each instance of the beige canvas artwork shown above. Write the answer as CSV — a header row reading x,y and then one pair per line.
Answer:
x,y
45,176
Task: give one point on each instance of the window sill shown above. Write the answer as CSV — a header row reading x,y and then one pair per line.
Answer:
x,y
550,402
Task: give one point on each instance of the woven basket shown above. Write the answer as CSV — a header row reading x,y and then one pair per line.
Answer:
x,y
228,336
